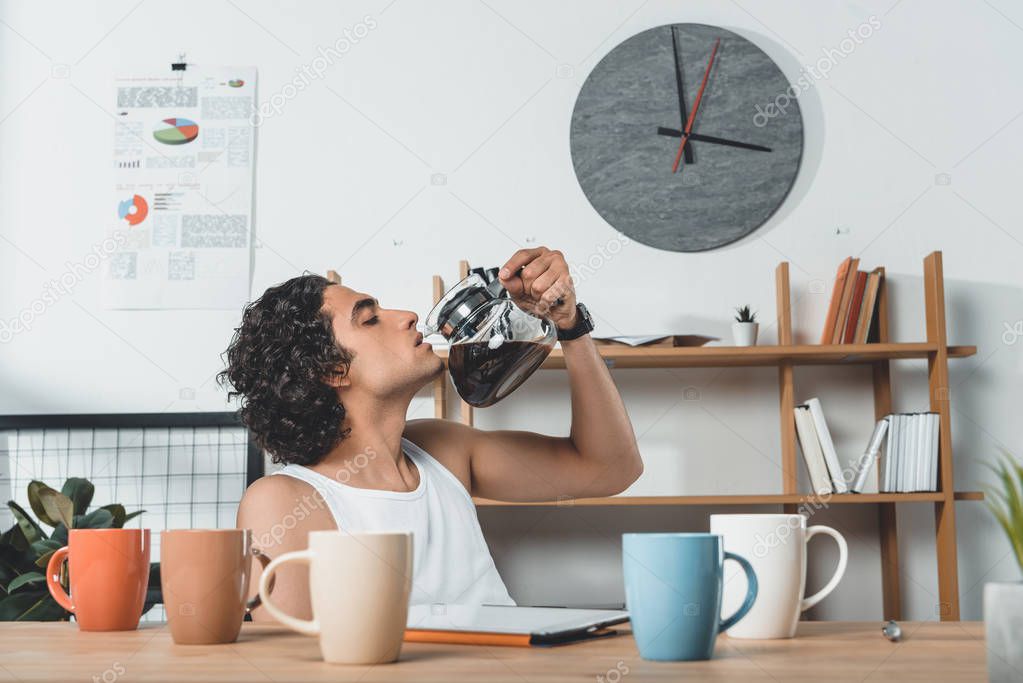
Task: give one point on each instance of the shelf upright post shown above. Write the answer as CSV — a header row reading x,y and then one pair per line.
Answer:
x,y
887,526
786,387
938,386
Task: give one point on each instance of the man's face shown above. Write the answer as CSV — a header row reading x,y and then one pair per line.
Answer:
x,y
388,356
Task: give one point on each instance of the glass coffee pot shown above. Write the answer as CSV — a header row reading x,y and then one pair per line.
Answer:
x,y
494,345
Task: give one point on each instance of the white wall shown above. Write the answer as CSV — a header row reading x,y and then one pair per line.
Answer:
x,y
482,93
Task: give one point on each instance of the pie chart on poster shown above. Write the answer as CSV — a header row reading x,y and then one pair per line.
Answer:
x,y
133,210
176,131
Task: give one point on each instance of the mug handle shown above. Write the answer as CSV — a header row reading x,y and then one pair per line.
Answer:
x,y
751,592
264,560
309,627
843,558
53,579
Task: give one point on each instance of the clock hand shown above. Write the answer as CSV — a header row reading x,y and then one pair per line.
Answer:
x,y
688,151
696,106
696,137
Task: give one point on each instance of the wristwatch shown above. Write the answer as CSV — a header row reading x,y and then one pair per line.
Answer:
x,y
583,325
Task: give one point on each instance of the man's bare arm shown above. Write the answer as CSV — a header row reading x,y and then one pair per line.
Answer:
x,y
599,457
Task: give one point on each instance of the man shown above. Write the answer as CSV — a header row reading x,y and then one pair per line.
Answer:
x,y
326,376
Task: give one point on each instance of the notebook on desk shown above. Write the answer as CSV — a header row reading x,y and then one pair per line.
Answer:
x,y
508,625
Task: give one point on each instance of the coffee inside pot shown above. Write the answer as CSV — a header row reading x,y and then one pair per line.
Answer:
x,y
494,345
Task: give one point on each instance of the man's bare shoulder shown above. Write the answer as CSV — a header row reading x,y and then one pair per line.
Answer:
x,y
450,443
269,499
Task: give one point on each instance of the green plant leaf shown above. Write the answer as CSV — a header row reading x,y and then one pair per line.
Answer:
x,y
117,510
14,561
80,491
132,516
35,605
97,519
59,534
58,507
35,490
31,531
1006,501
44,559
24,579
46,545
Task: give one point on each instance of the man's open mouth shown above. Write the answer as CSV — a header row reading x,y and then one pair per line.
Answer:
x,y
419,339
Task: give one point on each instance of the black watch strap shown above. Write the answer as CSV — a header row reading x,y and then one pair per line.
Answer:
x,y
583,325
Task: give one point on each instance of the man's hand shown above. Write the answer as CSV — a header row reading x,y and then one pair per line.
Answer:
x,y
536,279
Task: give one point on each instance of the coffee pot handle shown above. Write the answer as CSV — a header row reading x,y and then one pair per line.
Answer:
x,y
751,592
310,627
843,558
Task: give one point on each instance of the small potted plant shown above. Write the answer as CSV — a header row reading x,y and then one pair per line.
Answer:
x,y
744,329
1003,600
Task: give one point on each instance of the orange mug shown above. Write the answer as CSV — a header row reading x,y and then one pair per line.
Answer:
x,y
109,573
204,574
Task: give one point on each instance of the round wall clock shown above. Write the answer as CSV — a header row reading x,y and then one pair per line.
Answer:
x,y
686,137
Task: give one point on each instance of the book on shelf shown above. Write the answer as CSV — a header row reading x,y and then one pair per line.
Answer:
x,y
852,310
819,454
910,460
865,465
813,456
855,303
827,445
848,285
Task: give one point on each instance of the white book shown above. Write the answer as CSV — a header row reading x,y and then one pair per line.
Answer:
x,y
903,452
923,476
909,454
827,446
865,465
892,454
914,449
812,454
924,473
935,443
918,449
889,455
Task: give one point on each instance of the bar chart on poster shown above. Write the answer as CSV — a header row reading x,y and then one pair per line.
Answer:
x,y
181,235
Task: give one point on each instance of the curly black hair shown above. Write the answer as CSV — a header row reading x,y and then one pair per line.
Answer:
x,y
278,362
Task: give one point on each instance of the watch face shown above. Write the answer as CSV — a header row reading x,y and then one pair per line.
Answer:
x,y
712,87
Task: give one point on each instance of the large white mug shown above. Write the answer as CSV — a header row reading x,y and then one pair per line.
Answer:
x,y
776,547
359,587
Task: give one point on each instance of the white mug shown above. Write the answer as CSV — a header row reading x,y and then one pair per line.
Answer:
x,y
359,587
776,547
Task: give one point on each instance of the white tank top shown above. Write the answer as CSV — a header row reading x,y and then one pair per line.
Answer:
x,y
451,561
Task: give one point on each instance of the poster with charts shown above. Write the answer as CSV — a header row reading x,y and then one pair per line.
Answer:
x,y
179,227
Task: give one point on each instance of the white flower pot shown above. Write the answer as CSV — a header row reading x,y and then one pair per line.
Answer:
x,y
1003,624
745,334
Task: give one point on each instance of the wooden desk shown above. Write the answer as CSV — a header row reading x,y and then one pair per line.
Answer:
x,y
831,651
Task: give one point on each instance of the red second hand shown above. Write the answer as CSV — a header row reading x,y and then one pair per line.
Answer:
x,y
696,106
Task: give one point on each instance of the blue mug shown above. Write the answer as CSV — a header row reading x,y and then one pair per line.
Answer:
x,y
673,586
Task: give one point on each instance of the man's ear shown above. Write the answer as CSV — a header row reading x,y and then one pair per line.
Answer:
x,y
338,378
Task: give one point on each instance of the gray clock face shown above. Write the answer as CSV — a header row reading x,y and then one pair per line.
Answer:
x,y
627,130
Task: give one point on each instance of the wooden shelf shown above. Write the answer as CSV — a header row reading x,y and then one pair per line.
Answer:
x,y
875,356
745,499
618,356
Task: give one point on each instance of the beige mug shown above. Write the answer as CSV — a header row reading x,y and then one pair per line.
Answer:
x,y
204,575
776,546
359,588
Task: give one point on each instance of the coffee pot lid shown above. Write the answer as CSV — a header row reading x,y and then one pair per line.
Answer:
x,y
459,302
